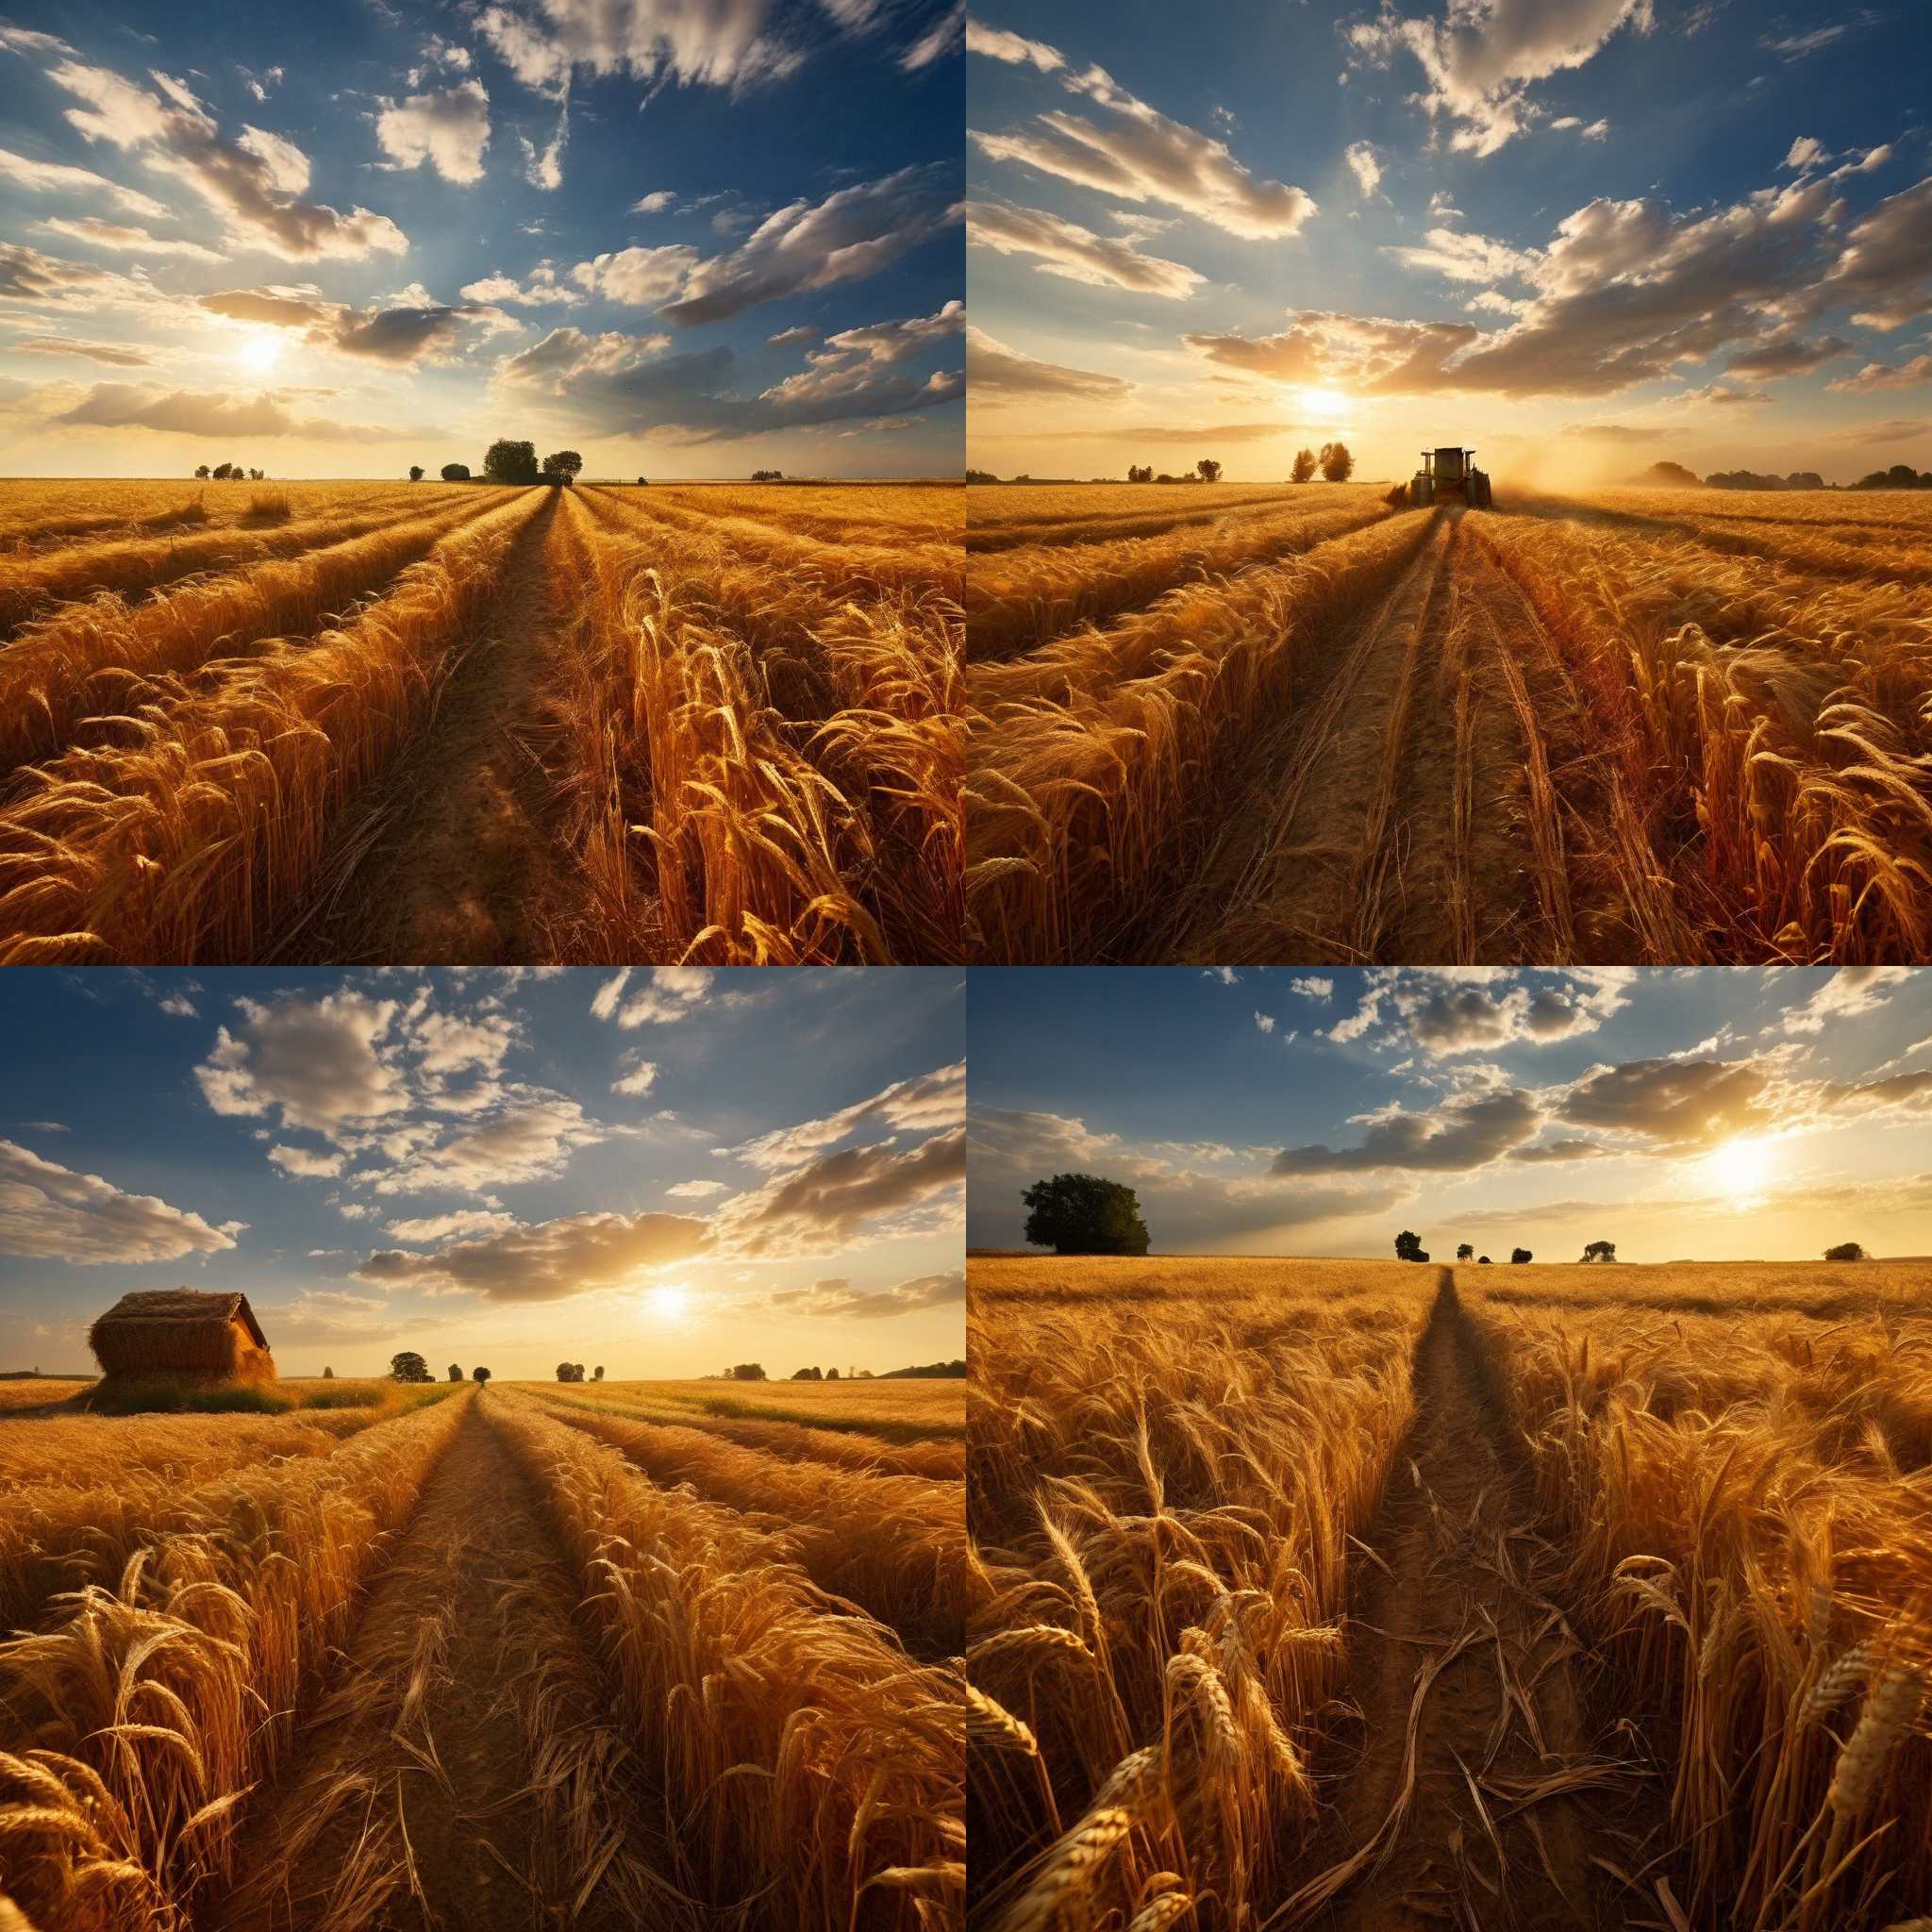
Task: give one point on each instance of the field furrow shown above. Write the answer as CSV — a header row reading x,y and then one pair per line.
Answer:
x,y
463,1751
894,1545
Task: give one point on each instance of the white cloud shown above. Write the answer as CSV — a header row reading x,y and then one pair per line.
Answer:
x,y
1265,1021
999,374
636,1074
1845,994
1312,985
1139,155
320,1064
308,1165
442,1227
1366,166
840,1300
53,1213
1064,248
696,1190
449,130
57,178
927,1104
254,181
720,43
1482,58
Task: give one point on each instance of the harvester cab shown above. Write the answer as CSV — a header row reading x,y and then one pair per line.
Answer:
x,y
1450,475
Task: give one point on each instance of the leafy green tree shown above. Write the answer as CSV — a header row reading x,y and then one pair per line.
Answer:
x,y
1521,1255
747,1371
1083,1214
479,1376
202,472
1337,465
511,463
1303,471
1845,1251
415,473
455,1375
1409,1246
409,1367
1210,469
456,472
562,467
597,1374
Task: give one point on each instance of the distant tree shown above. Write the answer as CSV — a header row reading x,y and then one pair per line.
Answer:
x,y
1482,1260
257,476
479,1376
568,1372
807,1374
505,461
1409,1246
861,1374
415,473
202,472
1465,1252
1600,1251
1144,474
409,1367
768,475
1082,1214
455,1375
456,472
1337,466
643,482
1521,1255
222,472
1845,1251
1303,471
597,1374
579,1374
831,1374
562,467
1208,470
328,1374
1163,477
748,1372
972,477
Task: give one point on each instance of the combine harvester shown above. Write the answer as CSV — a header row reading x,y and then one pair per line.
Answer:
x,y
1449,475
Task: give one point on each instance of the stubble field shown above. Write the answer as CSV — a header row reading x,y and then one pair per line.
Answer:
x,y
1357,1595
682,1654
1240,726
439,723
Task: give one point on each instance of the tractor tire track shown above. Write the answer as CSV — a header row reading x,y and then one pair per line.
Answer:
x,y
460,1773
1470,1794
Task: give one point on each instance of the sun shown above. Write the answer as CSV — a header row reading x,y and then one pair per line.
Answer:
x,y
259,353
1328,403
1742,1169
669,1302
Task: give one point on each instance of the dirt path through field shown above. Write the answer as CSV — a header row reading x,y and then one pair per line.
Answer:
x,y
1406,809
454,862
1469,1794
460,1774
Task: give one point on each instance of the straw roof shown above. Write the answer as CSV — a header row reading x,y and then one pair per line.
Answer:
x,y
171,1305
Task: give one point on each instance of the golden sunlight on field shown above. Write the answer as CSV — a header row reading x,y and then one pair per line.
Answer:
x,y
1300,725
1354,1593
664,1654
459,723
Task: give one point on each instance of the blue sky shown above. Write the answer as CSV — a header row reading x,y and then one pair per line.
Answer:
x,y
1581,237
341,238
659,1170
1706,1113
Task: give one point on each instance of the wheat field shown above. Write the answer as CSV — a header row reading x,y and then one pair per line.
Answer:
x,y
455,723
1361,1594
1302,725
449,1655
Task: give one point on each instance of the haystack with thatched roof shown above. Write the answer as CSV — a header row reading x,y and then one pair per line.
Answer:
x,y
180,1334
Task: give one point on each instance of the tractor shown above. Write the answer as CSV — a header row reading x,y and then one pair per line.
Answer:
x,y
1449,475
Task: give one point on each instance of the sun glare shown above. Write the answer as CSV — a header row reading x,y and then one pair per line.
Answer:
x,y
259,353
1742,1169
669,1302
1328,403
